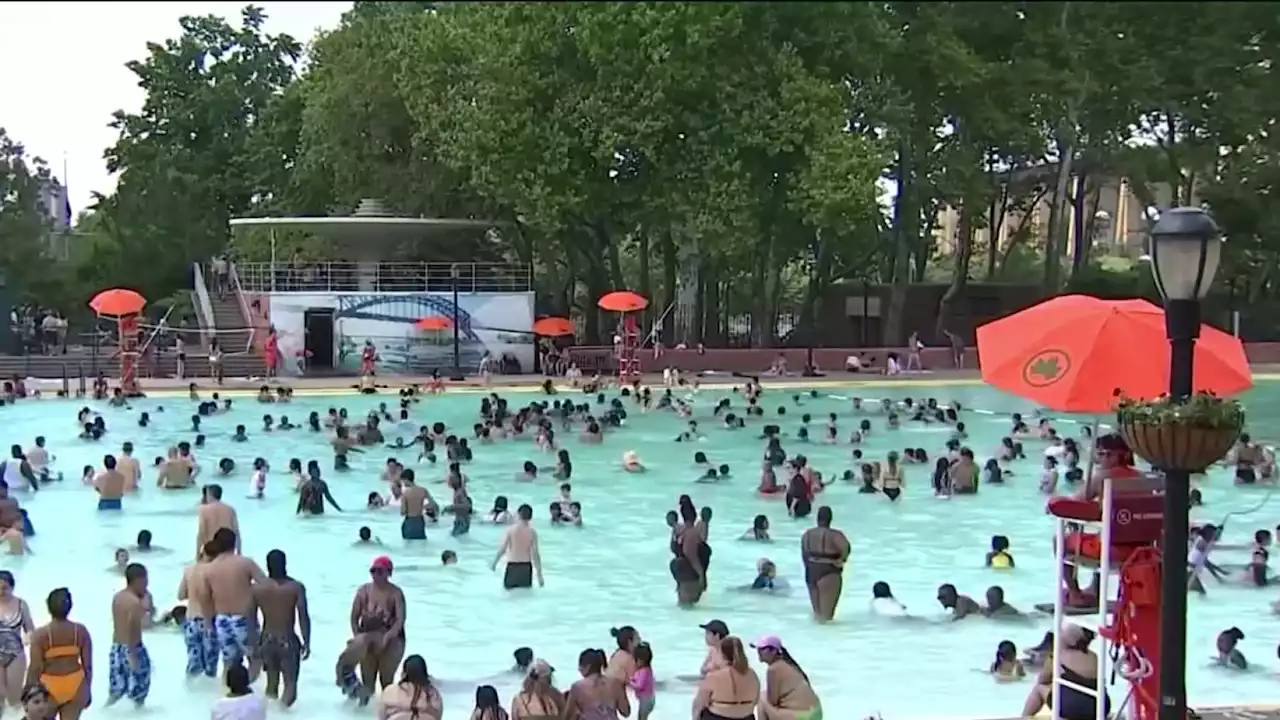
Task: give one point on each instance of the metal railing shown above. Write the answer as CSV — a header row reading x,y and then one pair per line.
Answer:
x,y
204,306
381,277
233,279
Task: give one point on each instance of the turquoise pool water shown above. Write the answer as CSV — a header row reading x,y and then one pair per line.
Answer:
x,y
613,570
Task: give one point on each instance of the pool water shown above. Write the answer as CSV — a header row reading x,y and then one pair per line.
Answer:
x,y
613,570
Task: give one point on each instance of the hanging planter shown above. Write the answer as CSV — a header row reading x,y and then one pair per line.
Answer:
x,y
1189,434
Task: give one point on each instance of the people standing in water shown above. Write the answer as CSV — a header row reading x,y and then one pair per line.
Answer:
x,y
687,567
129,665
538,698
15,624
824,551
520,546
730,692
214,515
110,484
596,697
62,658
788,694
413,507
197,627
378,608
229,580
283,604
414,697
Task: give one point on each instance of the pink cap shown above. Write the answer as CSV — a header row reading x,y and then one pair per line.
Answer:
x,y
771,642
382,562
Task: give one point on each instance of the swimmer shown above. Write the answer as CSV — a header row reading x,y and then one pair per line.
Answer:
x,y
996,607
999,557
129,663
767,579
1007,667
258,481
366,537
110,485
631,462
448,557
961,606
143,543
759,530
1228,655
883,602
523,660
357,649
1036,657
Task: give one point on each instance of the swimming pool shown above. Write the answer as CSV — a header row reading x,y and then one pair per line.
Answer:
x,y
613,570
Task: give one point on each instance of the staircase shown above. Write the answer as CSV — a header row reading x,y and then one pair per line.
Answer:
x,y
228,314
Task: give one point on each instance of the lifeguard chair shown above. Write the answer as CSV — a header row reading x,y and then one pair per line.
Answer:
x,y
1121,534
628,349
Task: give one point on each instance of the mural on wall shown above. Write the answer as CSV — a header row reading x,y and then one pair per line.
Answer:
x,y
498,323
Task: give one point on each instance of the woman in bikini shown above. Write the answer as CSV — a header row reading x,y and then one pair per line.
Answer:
x,y
893,479
824,551
687,567
379,608
414,697
730,692
788,694
62,658
15,623
595,697
538,698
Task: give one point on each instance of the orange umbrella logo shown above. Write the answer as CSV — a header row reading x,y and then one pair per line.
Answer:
x,y
1046,368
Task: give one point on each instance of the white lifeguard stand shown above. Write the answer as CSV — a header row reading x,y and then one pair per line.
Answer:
x,y
1133,518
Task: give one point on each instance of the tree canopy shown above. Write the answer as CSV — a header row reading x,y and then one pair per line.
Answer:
x,y
748,154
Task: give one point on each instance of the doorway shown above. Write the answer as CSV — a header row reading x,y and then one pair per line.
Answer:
x,y
318,323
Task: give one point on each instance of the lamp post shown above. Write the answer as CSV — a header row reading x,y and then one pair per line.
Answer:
x,y
458,375
1185,249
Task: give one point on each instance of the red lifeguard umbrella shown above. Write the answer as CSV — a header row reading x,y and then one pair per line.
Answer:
x,y
1072,354
623,301
434,322
117,301
553,327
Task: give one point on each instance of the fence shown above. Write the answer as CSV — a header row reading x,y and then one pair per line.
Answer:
x,y
385,277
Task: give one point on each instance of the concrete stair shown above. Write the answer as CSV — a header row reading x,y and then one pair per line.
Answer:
x,y
228,315
77,363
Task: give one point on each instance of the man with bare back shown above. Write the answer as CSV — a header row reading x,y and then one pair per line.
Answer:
x,y
128,466
110,485
413,503
197,630
228,579
215,515
129,664
282,602
520,545
174,473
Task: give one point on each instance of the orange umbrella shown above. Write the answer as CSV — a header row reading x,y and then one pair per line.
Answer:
x,y
553,327
623,301
1074,352
117,301
434,322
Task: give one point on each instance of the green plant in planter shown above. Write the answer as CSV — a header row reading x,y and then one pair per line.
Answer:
x,y
1203,410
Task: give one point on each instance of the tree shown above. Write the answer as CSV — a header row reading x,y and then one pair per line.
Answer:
x,y
26,224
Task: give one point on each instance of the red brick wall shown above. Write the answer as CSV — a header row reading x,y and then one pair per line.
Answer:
x,y
758,360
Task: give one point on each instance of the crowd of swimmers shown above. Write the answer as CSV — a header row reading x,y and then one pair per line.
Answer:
x,y
253,621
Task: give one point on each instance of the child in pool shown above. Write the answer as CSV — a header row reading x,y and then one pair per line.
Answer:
x,y
1228,654
641,681
1007,667
348,662
999,557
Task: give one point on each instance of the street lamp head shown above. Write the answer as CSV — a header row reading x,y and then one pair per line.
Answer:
x,y
1186,246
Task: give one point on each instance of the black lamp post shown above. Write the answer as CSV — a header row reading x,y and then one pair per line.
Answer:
x,y
1185,249
458,375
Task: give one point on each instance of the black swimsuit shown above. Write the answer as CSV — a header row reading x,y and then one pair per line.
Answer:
x,y
815,571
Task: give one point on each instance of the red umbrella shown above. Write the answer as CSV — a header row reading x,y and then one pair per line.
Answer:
x,y
117,301
553,327
434,322
623,301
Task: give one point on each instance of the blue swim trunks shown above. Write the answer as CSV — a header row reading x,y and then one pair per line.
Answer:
x,y
202,647
110,504
232,633
135,682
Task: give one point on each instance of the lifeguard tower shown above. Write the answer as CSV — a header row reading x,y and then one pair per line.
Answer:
x,y
1118,535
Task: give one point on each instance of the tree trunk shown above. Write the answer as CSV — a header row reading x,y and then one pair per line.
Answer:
x,y
999,210
960,271
670,263
646,279
906,222
711,333
1081,240
1054,240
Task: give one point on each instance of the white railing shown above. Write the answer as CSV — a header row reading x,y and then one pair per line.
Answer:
x,y
233,279
353,277
1104,605
204,306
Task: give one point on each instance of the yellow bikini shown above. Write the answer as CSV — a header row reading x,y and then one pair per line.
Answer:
x,y
63,688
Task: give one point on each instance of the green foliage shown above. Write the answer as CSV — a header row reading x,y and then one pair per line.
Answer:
x,y
733,151
1202,410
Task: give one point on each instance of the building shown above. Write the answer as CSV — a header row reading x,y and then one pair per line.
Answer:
x,y
1119,216
56,205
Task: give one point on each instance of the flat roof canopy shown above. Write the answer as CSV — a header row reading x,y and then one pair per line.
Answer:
x,y
357,228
